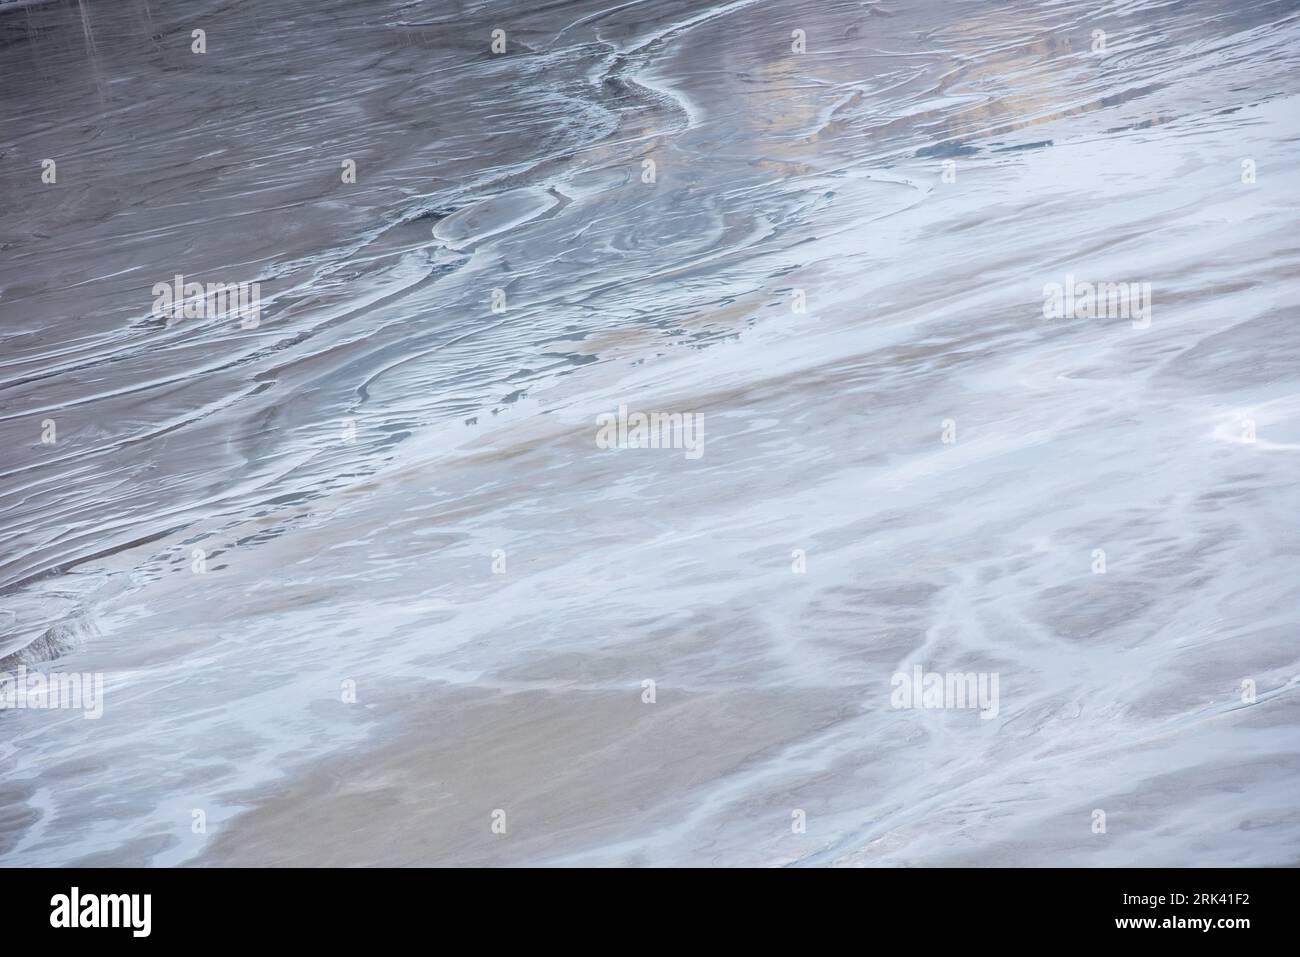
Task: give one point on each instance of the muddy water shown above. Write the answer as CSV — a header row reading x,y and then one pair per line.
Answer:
x,y
363,569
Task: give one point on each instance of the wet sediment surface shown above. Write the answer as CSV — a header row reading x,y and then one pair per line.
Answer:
x,y
361,564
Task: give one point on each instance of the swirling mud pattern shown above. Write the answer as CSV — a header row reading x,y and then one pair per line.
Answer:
x,y
649,432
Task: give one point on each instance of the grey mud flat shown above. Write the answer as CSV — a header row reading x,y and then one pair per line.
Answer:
x,y
359,576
